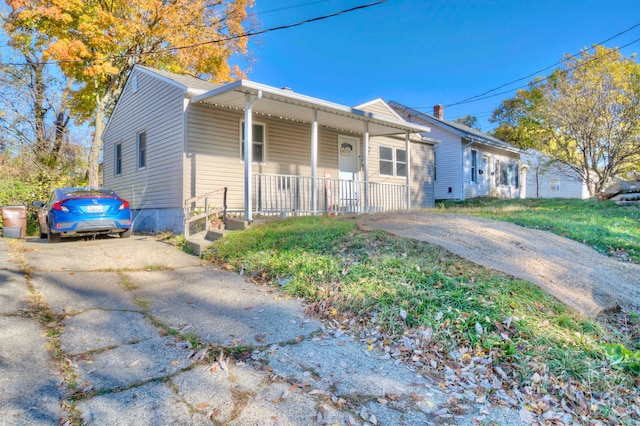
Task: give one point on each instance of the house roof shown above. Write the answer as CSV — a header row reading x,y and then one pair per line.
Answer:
x,y
288,105
474,135
186,81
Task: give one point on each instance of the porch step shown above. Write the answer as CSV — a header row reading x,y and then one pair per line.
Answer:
x,y
236,224
200,242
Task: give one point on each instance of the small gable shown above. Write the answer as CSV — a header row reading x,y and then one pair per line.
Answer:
x,y
379,107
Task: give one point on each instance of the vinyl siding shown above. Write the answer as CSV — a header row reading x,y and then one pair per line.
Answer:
x,y
475,189
448,165
157,108
380,108
213,152
541,187
422,175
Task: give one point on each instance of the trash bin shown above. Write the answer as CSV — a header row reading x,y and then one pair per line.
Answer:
x,y
14,221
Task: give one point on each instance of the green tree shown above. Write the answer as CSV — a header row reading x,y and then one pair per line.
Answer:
x,y
469,121
586,115
97,43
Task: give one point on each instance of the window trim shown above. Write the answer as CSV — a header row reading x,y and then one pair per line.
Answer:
x,y
474,166
117,161
394,162
141,153
263,142
507,174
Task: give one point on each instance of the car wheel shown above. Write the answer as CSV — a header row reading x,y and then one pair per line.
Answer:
x,y
125,234
53,237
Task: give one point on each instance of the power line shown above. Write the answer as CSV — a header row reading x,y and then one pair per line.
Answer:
x,y
291,7
539,81
483,96
170,49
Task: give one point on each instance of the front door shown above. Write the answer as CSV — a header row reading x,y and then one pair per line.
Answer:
x,y
483,178
348,165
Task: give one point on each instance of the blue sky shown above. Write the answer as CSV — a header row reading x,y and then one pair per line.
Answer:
x,y
421,53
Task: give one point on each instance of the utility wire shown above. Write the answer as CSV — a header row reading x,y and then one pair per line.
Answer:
x,y
221,40
539,81
291,7
483,95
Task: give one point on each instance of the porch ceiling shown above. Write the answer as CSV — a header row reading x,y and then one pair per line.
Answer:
x,y
288,105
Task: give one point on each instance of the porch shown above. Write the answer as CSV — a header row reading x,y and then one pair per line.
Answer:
x,y
312,193
290,195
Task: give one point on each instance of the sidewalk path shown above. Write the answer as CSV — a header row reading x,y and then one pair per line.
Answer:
x,y
109,342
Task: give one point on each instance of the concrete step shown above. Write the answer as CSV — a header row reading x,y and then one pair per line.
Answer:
x,y
200,241
236,224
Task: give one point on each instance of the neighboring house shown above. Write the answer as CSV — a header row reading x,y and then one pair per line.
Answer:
x,y
173,137
547,178
468,163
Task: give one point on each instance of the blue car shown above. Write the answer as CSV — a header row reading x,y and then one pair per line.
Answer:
x,y
83,211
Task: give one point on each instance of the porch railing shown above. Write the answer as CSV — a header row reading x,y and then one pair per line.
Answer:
x,y
202,207
292,195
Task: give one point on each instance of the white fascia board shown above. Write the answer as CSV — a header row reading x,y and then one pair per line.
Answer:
x,y
270,92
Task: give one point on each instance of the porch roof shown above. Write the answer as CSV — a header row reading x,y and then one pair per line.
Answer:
x,y
288,105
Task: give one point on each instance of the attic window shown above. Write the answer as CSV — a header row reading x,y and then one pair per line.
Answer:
x,y
134,84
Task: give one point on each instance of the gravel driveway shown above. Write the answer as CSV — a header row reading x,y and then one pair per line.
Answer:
x,y
582,278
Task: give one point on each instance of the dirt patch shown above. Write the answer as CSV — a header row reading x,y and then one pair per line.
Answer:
x,y
582,278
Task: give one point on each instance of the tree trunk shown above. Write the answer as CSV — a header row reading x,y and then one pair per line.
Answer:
x,y
96,146
62,118
39,109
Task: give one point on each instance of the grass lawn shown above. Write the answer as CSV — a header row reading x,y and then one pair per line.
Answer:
x,y
610,229
442,314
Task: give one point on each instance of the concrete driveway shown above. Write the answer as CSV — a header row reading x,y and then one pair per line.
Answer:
x,y
99,332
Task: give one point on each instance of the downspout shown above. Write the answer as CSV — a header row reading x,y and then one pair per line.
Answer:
x,y
408,151
314,162
462,197
248,142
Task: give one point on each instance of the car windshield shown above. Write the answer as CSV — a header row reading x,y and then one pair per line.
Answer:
x,y
82,192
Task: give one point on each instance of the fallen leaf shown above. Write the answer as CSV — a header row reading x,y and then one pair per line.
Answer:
x,y
526,416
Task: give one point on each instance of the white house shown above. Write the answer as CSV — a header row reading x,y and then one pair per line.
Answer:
x,y
468,162
547,178
171,138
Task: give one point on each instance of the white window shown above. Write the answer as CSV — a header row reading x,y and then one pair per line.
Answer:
x,y
474,165
258,134
554,185
118,159
393,161
142,149
506,174
435,165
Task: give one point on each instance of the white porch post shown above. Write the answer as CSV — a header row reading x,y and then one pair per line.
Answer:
x,y
314,162
408,149
366,167
248,147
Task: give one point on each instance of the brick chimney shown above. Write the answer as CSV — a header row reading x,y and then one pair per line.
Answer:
x,y
438,112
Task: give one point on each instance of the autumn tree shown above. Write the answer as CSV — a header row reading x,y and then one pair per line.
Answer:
x,y
586,115
96,44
